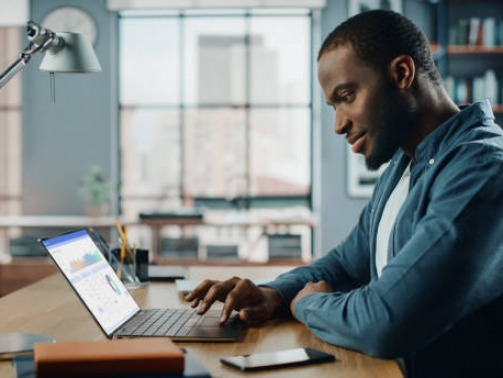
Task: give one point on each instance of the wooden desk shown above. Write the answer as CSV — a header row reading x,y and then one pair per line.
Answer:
x,y
21,272
50,307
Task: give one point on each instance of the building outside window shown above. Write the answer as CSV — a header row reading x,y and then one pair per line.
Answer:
x,y
216,112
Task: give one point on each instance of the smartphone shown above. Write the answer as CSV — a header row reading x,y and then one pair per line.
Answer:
x,y
277,359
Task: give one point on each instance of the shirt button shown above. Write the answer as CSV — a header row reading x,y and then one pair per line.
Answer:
x,y
431,161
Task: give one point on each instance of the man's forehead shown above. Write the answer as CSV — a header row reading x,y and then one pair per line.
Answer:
x,y
339,61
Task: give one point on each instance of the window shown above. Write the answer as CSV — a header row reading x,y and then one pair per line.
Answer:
x,y
216,110
10,130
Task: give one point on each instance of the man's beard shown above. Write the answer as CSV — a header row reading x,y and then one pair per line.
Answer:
x,y
394,124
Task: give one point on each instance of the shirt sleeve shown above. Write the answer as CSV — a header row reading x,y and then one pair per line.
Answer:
x,y
449,267
344,268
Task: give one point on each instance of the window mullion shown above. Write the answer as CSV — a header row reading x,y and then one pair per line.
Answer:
x,y
182,112
247,108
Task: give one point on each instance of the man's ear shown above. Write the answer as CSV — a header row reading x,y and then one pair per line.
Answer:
x,y
402,71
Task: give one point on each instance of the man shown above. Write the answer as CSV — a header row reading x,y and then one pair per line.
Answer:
x,y
420,277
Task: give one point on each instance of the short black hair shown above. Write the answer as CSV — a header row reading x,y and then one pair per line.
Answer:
x,y
379,36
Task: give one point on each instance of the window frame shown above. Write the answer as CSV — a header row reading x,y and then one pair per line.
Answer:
x,y
241,202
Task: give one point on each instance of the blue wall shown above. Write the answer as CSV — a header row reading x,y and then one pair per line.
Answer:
x,y
338,212
61,141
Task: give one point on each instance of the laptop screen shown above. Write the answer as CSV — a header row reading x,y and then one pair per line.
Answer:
x,y
91,276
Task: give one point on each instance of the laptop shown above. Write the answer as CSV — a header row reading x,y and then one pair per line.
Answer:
x,y
81,260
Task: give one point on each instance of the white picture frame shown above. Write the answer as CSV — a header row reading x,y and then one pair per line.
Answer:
x,y
361,181
358,6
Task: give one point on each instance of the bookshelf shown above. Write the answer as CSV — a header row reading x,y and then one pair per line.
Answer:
x,y
469,50
476,50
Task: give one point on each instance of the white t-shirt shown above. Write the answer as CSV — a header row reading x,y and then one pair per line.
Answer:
x,y
393,206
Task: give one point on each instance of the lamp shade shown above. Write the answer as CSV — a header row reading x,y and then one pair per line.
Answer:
x,y
76,55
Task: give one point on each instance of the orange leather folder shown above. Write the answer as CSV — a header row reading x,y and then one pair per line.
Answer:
x,y
108,357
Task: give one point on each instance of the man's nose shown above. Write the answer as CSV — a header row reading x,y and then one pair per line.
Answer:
x,y
342,123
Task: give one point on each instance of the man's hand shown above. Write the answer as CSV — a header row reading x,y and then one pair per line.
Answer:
x,y
255,304
311,287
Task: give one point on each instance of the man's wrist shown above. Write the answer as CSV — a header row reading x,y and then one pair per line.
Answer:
x,y
272,298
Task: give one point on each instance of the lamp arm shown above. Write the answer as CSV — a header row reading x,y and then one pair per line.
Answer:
x,y
41,39
14,68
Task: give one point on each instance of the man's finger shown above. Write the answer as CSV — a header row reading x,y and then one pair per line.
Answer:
x,y
229,306
200,290
218,291
254,314
236,298
211,296
204,305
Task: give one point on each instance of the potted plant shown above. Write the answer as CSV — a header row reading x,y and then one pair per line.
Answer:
x,y
96,190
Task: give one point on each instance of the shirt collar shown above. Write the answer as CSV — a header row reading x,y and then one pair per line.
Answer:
x,y
448,132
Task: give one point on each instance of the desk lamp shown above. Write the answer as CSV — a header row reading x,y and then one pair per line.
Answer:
x,y
64,52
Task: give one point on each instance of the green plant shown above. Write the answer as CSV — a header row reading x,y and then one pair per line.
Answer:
x,y
94,187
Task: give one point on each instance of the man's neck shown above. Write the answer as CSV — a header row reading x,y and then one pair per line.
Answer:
x,y
434,109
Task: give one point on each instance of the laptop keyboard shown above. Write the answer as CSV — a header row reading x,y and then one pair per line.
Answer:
x,y
162,322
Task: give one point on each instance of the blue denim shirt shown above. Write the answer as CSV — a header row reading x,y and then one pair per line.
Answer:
x,y
440,291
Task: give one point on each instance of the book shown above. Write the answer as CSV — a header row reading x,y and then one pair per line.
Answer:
x,y
105,358
24,367
489,32
491,86
474,32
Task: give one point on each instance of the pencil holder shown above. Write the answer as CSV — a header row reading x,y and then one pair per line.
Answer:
x,y
125,270
141,260
124,264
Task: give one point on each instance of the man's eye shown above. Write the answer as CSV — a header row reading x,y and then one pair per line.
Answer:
x,y
346,98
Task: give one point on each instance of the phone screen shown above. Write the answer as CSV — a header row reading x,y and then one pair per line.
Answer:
x,y
289,357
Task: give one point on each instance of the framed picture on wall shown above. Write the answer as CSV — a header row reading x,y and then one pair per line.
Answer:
x,y
361,181
358,6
